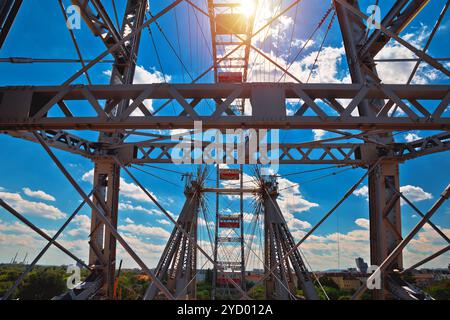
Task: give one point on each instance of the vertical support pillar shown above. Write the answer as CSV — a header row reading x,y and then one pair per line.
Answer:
x,y
107,172
384,205
385,219
216,238
278,241
102,253
177,266
243,285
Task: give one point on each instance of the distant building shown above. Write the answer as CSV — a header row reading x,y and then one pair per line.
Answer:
x,y
346,282
361,265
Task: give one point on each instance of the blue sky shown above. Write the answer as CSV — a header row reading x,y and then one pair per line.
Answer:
x,y
25,169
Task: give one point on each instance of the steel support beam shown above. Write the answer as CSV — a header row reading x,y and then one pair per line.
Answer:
x,y
278,241
28,108
105,220
106,171
107,183
392,258
41,233
396,20
178,263
385,218
8,12
312,230
384,204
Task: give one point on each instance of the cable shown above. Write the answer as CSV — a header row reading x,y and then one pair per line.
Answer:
x,y
305,44
116,16
172,47
158,177
164,169
321,46
158,59
75,43
316,179
312,170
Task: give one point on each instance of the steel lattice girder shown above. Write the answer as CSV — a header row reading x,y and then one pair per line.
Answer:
x,y
300,153
27,108
64,141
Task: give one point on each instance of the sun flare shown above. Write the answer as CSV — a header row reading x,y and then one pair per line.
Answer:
x,y
247,7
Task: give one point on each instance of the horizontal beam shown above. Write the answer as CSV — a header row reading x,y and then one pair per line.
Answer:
x,y
231,191
355,154
287,153
63,140
31,108
316,152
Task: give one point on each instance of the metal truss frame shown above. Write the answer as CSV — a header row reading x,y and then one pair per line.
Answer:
x,y
23,110
356,154
33,107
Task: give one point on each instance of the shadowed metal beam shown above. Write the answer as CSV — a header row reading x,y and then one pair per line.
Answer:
x,y
43,251
105,220
41,233
32,106
399,248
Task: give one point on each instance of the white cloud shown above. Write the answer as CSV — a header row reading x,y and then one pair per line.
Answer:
x,y
399,72
413,193
82,226
363,223
318,134
297,224
127,190
130,207
139,229
32,208
410,137
291,200
326,69
362,192
128,220
144,76
164,222
38,194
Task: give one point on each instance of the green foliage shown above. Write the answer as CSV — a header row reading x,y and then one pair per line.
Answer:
x,y
131,287
259,293
42,285
328,282
208,276
332,290
204,289
439,290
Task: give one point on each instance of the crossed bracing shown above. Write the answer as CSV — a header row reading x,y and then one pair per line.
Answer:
x,y
311,114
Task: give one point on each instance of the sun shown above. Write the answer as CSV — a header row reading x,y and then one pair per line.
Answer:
x,y
247,7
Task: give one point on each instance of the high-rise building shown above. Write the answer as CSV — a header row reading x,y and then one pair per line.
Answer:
x,y
361,265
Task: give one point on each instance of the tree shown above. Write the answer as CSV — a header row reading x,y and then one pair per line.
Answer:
x,y
440,290
208,276
42,285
